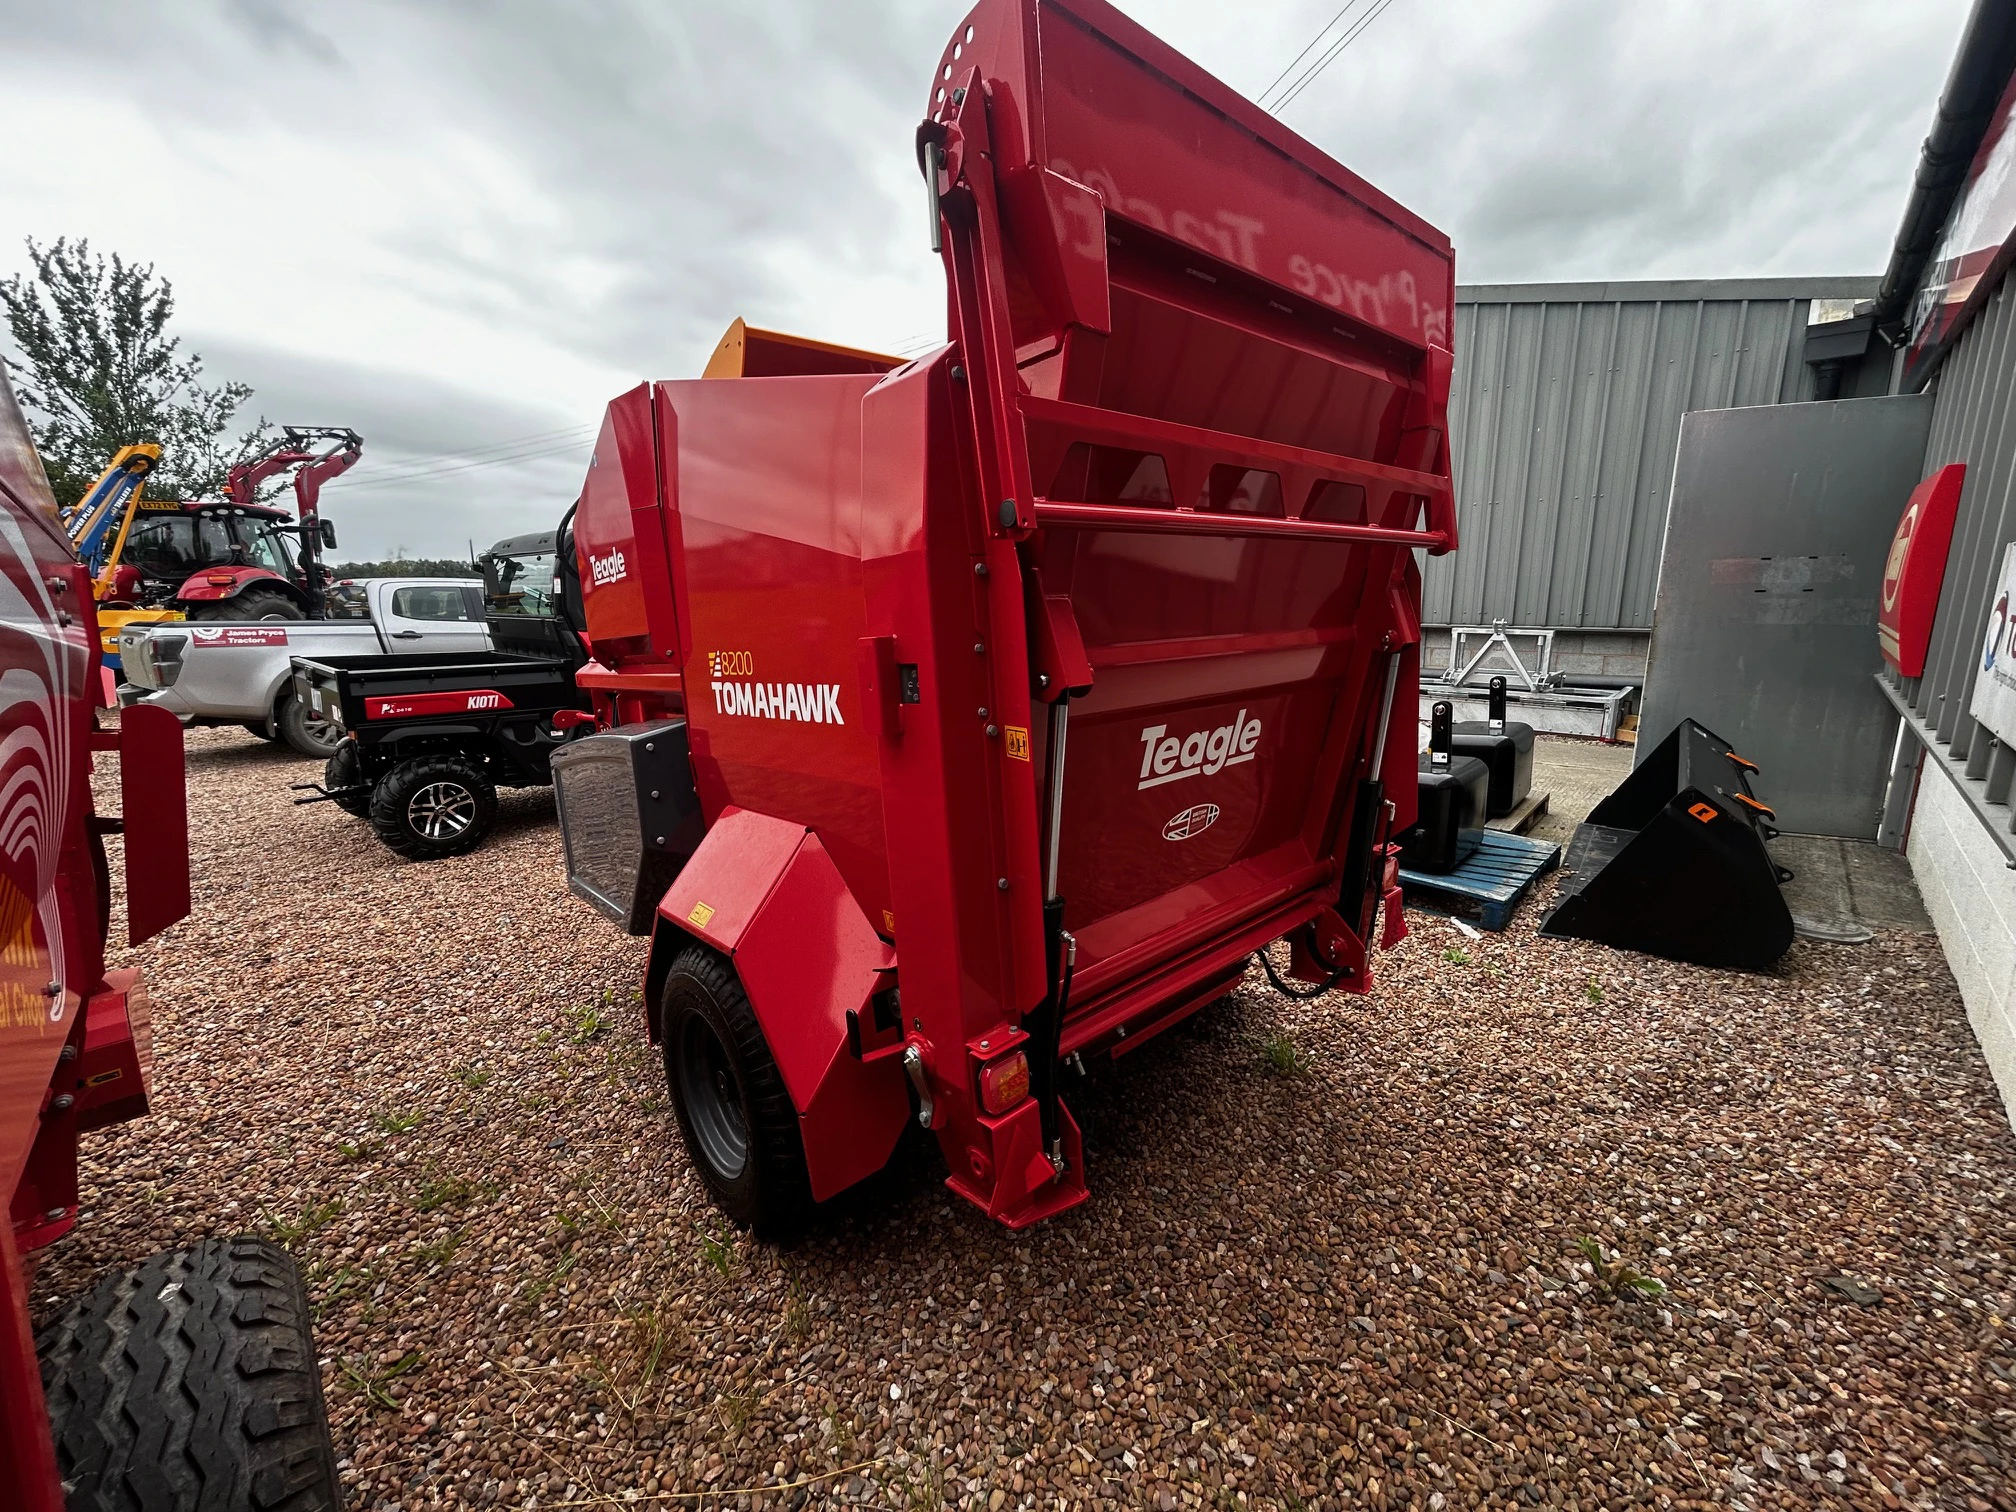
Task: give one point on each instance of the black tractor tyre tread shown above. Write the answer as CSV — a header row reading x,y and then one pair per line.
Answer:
x,y
396,787
291,722
190,1383
252,604
339,772
774,1200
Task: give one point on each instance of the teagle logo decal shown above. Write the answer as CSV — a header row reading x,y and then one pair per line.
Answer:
x,y
606,569
1171,758
1192,821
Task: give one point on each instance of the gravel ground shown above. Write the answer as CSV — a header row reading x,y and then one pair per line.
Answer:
x,y
1333,1254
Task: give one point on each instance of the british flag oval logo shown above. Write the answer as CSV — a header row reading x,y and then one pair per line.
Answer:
x,y
1192,821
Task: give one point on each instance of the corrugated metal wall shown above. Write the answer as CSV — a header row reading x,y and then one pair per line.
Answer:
x,y
1565,419
1972,422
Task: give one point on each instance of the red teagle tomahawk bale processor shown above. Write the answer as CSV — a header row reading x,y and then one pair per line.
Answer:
x,y
1158,495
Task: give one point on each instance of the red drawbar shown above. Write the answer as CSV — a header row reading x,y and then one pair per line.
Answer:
x,y
408,704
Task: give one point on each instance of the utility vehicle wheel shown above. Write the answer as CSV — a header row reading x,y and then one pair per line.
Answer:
x,y
433,806
346,769
734,1112
252,604
305,730
190,1383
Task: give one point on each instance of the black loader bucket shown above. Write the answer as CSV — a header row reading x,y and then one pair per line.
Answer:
x,y
1673,863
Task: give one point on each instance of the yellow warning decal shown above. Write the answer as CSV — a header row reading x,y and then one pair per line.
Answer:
x,y
699,916
103,1077
1018,742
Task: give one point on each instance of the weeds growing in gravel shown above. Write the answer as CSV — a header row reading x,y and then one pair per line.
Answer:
x,y
439,1252
1282,1055
587,1021
451,1191
629,1367
1595,990
736,1408
475,1078
375,1384
1456,955
399,1120
797,1313
717,1252
314,1216
1615,1277
364,1149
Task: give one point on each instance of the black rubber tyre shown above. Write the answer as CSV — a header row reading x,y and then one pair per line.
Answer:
x,y
735,1115
252,604
346,769
434,806
190,1384
300,728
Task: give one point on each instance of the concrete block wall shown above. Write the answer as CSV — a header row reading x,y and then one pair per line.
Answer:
x,y
1604,653
1971,894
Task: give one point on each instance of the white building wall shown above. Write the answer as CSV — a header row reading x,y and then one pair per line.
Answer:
x,y
1971,894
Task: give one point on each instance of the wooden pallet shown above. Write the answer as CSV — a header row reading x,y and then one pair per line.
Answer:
x,y
1486,888
1526,813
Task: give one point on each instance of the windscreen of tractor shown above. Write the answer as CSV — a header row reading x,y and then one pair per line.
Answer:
x,y
175,545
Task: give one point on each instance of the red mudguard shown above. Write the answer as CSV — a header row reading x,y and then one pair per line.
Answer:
x,y
764,893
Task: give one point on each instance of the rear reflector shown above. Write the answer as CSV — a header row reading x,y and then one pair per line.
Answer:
x,y
1004,1083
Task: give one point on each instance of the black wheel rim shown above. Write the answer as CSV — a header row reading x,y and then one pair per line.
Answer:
x,y
321,732
713,1108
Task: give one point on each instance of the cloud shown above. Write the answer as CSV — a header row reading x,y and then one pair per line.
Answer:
x,y
451,223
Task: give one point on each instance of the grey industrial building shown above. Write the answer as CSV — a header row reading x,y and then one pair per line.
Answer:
x,y
1694,486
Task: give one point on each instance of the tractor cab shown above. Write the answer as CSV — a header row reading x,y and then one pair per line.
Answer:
x,y
532,595
216,561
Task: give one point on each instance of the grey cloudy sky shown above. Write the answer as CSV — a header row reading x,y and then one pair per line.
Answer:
x,y
462,225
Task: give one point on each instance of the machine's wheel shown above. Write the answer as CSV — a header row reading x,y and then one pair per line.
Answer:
x,y
433,806
252,604
305,730
206,1350
734,1111
346,769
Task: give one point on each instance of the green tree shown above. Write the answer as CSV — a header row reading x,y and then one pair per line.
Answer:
x,y
98,371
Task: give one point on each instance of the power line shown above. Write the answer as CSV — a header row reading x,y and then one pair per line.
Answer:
x,y
1321,32
449,469
1350,35
427,462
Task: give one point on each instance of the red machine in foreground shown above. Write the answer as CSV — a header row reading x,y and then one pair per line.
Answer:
x,y
992,709
190,1380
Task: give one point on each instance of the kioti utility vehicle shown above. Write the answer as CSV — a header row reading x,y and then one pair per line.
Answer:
x,y
425,740
189,1381
1160,494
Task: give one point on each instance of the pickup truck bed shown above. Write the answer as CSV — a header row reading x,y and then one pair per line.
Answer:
x,y
242,673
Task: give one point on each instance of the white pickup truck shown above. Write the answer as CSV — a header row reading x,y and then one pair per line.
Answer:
x,y
223,673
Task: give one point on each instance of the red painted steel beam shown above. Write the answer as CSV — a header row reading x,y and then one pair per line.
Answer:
x,y
1150,521
1089,422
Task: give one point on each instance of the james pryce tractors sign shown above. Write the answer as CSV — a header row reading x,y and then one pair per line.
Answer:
x,y
1995,688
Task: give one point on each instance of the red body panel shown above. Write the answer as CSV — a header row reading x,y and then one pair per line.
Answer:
x,y
216,583
1170,470
1916,568
64,1067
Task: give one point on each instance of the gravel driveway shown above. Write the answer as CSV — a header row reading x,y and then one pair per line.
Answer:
x,y
1336,1253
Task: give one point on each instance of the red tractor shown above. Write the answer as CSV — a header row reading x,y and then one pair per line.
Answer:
x,y
237,559
189,1380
